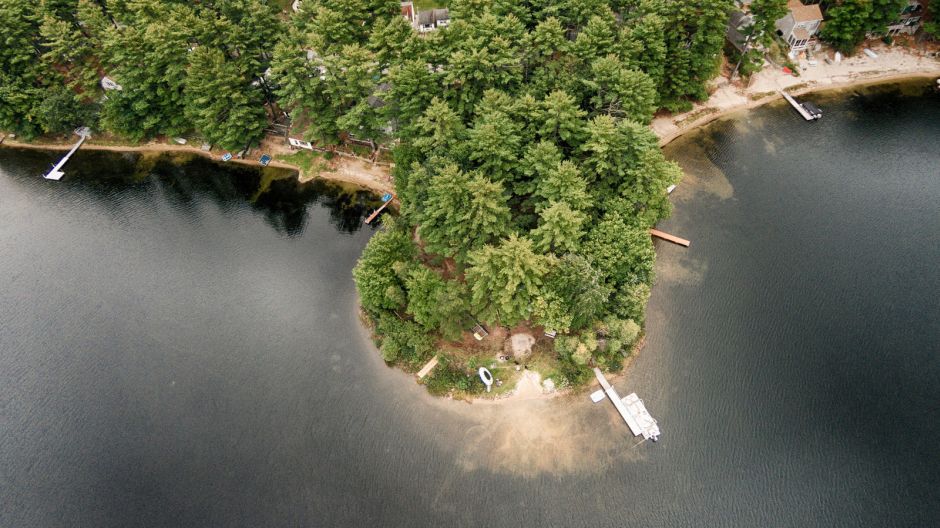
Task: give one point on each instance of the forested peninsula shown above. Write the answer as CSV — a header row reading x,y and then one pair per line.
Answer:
x,y
525,169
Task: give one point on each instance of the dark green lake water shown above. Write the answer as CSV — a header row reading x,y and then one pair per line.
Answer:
x,y
180,347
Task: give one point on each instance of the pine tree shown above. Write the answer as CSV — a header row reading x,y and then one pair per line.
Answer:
x,y
506,279
220,102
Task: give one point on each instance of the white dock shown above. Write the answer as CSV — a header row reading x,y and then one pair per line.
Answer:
x,y
56,172
631,409
799,108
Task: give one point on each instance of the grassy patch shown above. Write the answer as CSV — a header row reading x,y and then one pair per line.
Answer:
x,y
698,114
761,95
309,162
424,5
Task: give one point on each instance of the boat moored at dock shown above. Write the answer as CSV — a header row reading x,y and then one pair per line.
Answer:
x,y
809,111
631,409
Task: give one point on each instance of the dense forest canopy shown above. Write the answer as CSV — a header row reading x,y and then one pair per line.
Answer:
x,y
181,66
527,175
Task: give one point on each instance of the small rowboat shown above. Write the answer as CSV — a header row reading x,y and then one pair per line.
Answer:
x,y
486,377
227,156
265,160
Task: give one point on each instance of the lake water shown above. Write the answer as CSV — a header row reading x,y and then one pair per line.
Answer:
x,y
180,347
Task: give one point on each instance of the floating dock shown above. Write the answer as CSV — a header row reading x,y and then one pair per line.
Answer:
x,y
671,238
799,108
56,172
631,409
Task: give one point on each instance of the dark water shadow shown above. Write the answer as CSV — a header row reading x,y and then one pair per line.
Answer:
x,y
188,181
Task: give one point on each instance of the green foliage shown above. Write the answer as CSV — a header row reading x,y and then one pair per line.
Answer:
x,y
505,279
622,249
617,91
850,21
619,335
579,290
60,111
525,165
380,286
437,304
402,341
932,28
462,212
578,349
232,122
766,14
694,34
846,24
449,375
560,229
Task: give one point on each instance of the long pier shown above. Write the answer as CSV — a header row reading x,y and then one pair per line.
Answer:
x,y
799,108
56,172
671,238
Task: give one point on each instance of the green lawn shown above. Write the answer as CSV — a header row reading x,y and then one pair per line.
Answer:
x,y
424,5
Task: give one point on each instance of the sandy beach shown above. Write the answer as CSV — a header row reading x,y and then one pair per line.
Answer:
x,y
892,64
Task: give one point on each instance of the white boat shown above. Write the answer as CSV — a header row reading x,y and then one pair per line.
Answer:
x,y
650,429
631,409
870,53
486,377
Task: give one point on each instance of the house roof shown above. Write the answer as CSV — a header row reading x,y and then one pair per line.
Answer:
x,y
804,13
441,14
425,18
737,21
800,34
736,18
408,10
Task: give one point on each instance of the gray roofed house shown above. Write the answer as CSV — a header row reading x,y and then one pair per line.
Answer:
x,y
441,17
429,20
425,21
737,23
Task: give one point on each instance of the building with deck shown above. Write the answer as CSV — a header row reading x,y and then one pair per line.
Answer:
x,y
798,28
909,19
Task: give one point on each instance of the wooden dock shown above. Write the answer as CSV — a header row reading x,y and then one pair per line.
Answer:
x,y
671,238
387,198
427,368
799,108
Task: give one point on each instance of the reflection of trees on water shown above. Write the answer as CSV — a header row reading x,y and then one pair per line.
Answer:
x,y
286,201
275,193
187,181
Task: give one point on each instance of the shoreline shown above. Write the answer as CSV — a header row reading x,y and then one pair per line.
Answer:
x,y
727,99
724,101
341,170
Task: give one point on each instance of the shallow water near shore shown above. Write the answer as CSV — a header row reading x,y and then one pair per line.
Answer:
x,y
180,347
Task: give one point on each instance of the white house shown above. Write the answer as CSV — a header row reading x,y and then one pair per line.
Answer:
x,y
800,24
